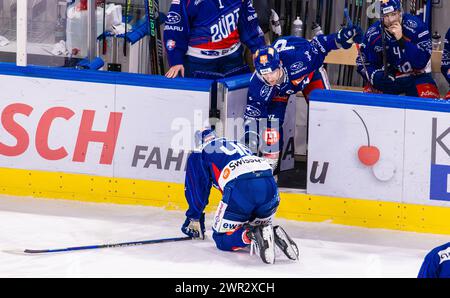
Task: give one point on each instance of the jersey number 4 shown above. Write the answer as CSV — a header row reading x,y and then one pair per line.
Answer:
x,y
405,68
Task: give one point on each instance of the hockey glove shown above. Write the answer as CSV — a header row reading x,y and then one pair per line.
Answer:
x,y
194,228
349,35
382,82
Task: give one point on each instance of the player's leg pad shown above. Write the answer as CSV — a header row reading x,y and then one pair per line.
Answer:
x,y
285,243
263,244
231,241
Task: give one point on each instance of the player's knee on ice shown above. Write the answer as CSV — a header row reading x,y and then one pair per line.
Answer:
x,y
231,241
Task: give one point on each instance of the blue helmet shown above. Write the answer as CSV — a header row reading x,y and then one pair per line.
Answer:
x,y
388,6
204,136
267,60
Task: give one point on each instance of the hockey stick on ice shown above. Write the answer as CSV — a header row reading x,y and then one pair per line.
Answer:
x,y
122,244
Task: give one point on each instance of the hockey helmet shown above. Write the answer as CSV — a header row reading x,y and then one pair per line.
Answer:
x,y
388,6
267,60
204,136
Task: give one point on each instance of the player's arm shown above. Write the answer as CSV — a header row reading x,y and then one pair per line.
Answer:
x,y
197,185
417,50
176,37
249,31
258,97
197,188
368,58
373,61
323,44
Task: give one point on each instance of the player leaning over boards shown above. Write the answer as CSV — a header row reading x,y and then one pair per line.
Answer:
x,y
290,65
445,67
249,201
206,36
405,44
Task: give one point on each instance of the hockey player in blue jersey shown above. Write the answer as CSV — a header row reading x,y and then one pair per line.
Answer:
x,y
290,65
249,198
436,263
445,67
405,47
206,35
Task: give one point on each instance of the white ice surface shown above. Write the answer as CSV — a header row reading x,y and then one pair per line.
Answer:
x,y
326,250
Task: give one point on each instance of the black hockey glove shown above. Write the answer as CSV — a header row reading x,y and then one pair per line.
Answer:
x,y
349,35
194,228
382,82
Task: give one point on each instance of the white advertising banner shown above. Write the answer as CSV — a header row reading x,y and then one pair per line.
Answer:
x,y
97,128
41,127
157,131
353,154
392,149
427,158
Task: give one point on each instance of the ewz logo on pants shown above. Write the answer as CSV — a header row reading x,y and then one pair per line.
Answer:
x,y
223,225
440,173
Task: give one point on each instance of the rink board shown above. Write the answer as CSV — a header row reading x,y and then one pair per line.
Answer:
x,y
123,138
170,196
103,124
387,148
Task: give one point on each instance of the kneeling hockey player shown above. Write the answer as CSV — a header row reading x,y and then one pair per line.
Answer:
x,y
249,202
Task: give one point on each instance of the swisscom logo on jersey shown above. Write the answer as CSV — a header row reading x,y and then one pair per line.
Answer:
x,y
440,161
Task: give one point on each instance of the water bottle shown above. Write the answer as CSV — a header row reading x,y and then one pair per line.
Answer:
x,y
297,27
316,29
77,28
436,41
60,27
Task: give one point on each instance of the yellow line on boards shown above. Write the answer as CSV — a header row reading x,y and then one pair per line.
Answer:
x,y
293,206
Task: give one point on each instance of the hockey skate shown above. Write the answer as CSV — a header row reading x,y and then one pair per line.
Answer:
x,y
285,243
262,242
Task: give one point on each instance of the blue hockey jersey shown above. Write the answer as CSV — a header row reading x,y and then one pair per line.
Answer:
x,y
210,29
436,263
217,163
300,59
412,56
445,68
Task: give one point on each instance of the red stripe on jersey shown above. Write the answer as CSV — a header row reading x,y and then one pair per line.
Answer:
x,y
373,42
216,172
280,99
225,43
317,84
298,81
